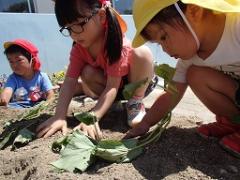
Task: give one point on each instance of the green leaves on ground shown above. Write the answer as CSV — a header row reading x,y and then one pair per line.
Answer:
x,y
60,144
130,88
76,155
79,151
87,118
118,151
24,137
18,132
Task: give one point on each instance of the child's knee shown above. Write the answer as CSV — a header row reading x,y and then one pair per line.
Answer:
x,y
87,73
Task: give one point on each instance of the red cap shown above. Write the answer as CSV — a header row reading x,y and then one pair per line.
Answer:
x,y
32,49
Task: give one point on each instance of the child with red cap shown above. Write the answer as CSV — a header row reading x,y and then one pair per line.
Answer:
x,y
27,85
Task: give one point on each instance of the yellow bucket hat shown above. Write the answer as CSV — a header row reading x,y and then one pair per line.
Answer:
x,y
217,5
145,10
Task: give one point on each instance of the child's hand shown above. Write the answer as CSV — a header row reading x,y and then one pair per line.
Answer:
x,y
140,129
89,130
51,126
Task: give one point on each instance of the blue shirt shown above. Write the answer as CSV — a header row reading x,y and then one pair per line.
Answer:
x,y
28,91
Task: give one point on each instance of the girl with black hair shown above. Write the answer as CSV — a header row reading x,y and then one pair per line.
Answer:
x,y
102,57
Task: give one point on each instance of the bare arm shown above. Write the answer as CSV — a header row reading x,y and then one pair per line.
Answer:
x,y
104,102
165,103
5,96
65,96
107,97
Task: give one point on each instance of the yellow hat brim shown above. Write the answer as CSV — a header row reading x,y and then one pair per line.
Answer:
x,y
138,41
143,12
217,5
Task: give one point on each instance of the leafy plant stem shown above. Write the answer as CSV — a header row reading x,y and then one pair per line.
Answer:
x,y
98,138
159,129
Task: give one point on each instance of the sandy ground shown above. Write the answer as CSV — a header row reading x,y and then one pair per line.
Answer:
x,y
179,154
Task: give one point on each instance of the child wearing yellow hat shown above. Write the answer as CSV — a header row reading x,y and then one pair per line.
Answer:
x,y
204,37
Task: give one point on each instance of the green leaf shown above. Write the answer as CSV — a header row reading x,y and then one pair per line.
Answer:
x,y
37,110
157,131
15,127
58,76
77,155
87,118
18,131
165,71
60,144
129,89
24,137
79,151
118,151
134,152
7,124
4,140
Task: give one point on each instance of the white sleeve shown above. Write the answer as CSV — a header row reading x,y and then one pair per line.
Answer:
x,y
181,70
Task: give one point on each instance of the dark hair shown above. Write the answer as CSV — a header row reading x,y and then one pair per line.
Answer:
x,y
69,11
168,15
18,49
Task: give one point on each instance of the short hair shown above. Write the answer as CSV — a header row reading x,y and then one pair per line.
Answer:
x,y
17,49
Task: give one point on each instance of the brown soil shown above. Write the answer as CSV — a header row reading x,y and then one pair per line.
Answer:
x,y
179,154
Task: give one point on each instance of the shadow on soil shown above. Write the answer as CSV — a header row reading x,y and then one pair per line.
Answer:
x,y
179,149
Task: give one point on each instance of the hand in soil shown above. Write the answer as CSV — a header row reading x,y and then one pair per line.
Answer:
x,y
51,126
140,129
90,130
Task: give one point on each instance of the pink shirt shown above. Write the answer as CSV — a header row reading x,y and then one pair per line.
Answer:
x,y
79,57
